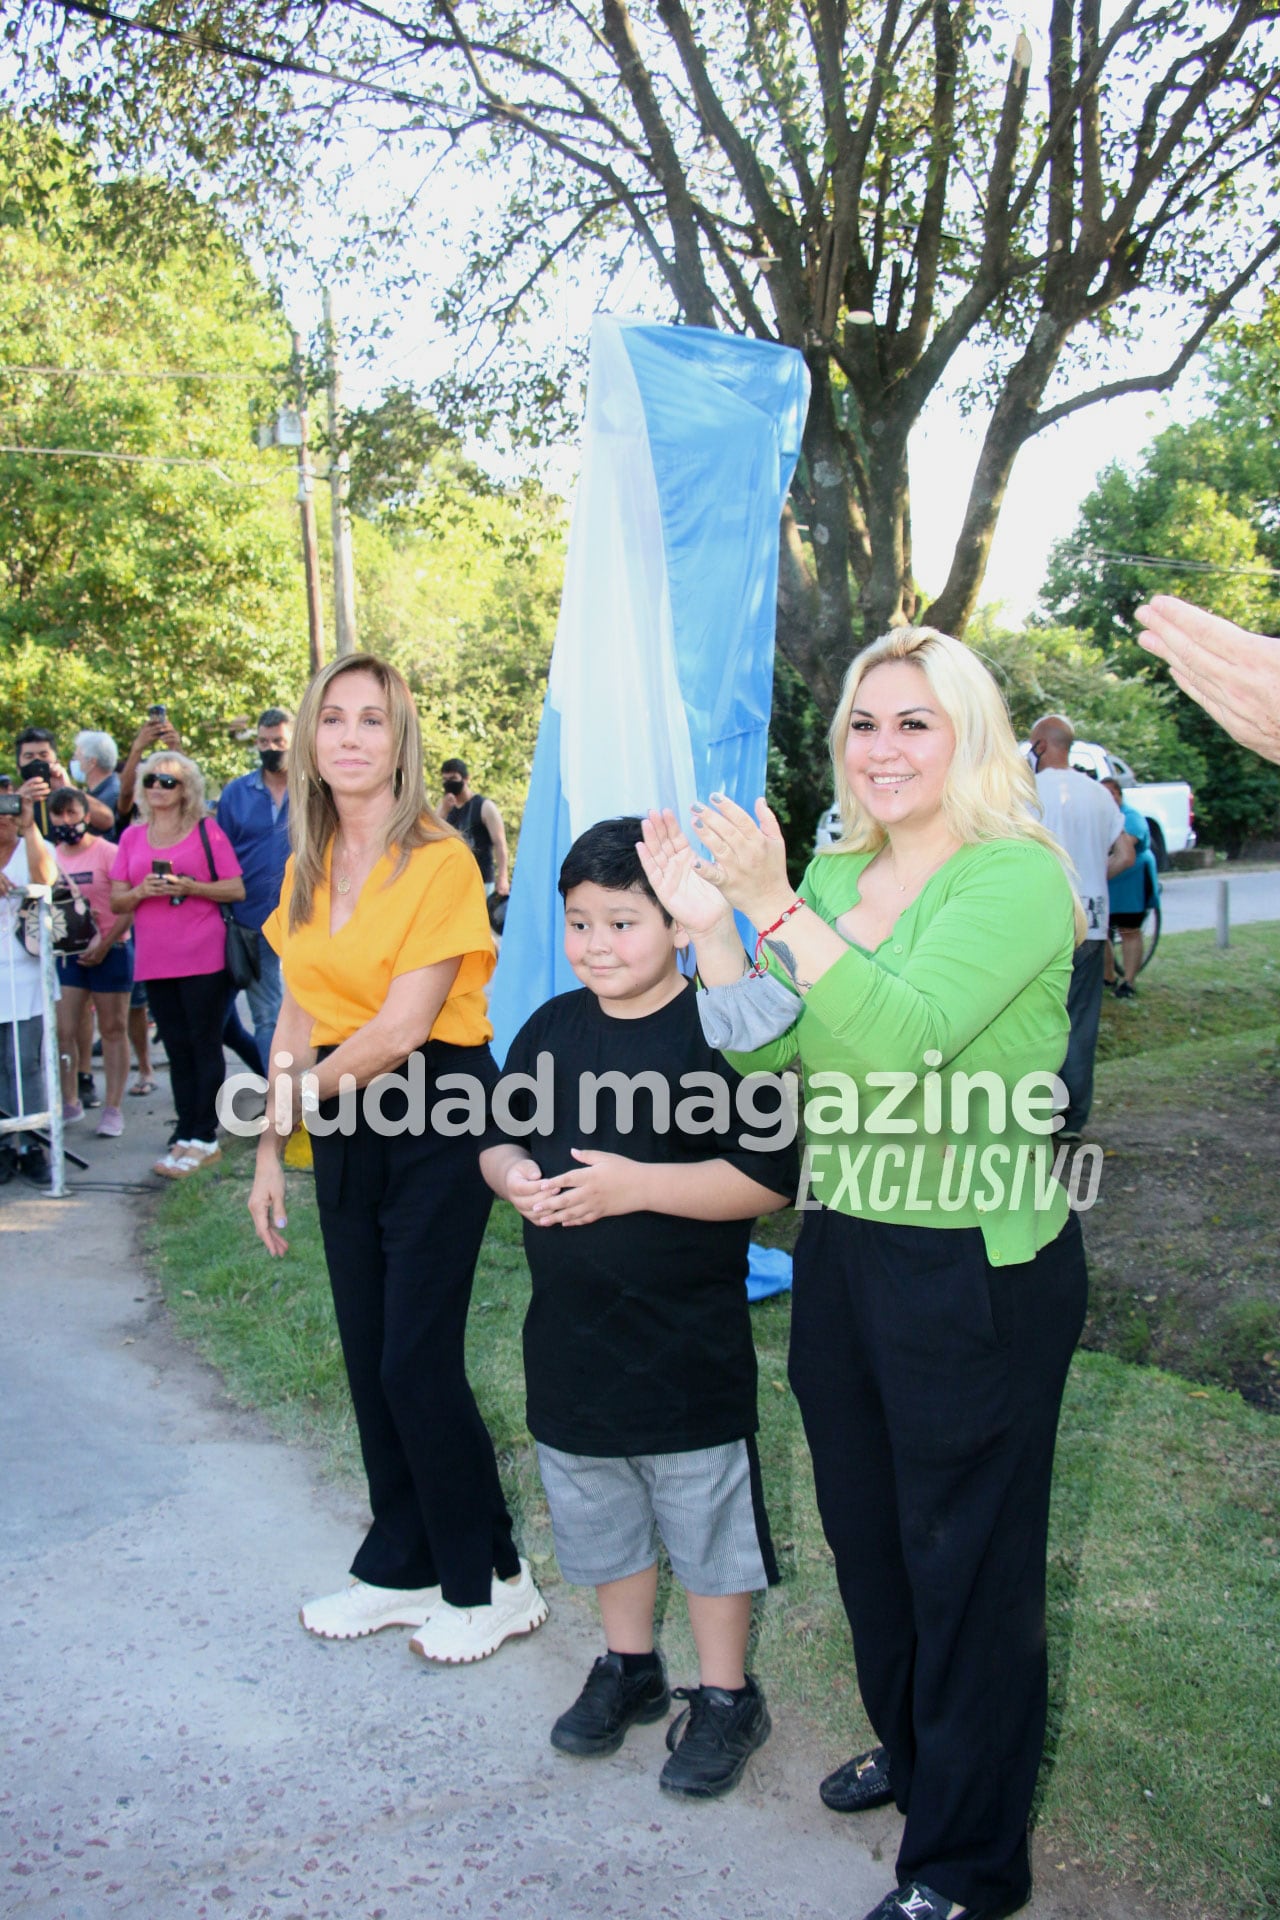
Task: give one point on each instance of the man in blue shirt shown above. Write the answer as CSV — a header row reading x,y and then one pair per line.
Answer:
x,y
254,814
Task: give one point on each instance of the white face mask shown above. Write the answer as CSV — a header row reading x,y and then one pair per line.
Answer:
x,y
77,773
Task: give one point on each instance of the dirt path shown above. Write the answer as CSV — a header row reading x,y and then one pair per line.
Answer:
x,y
174,1744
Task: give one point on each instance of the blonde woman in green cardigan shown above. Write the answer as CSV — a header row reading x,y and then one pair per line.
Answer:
x,y
920,978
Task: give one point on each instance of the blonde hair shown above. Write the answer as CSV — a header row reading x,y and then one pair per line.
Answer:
x,y
193,806
990,792
313,817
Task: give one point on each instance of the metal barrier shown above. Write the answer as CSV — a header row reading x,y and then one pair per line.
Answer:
x,y
48,1122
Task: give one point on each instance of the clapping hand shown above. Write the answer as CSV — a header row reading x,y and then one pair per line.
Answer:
x,y
748,866
671,868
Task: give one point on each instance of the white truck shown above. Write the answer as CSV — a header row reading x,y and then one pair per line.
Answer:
x,y
1167,806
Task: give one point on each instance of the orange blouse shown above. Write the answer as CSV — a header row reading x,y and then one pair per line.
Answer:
x,y
434,910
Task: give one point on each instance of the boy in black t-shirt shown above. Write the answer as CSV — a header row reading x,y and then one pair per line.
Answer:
x,y
639,1360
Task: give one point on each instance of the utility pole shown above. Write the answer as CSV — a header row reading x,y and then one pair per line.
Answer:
x,y
344,586
307,514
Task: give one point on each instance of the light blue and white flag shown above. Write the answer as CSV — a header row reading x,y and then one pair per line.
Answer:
x,y
662,674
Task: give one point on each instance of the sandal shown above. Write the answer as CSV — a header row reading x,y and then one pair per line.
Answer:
x,y
143,1086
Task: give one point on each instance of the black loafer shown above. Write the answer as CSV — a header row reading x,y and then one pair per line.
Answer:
x,y
860,1783
915,1901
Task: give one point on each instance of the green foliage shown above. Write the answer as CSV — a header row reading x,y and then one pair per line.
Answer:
x,y
1057,669
798,781
128,581
467,611
880,188
1203,495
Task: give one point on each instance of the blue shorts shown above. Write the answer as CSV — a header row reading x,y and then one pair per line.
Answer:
x,y
112,975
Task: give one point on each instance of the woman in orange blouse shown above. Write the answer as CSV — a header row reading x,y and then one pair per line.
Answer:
x,y
385,949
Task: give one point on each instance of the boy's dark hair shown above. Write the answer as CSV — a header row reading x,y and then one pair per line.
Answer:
x,y
62,797
605,856
455,766
275,717
34,736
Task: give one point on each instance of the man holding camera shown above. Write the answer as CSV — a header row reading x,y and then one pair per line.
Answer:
x,y
40,771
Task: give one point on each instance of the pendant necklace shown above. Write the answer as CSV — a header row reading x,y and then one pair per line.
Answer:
x,y
926,876
342,881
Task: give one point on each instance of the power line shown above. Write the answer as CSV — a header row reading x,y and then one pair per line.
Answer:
x,y
151,460
151,373
1176,566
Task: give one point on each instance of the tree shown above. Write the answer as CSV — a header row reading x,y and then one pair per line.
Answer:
x,y
458,582
168,570
1200,516
892,188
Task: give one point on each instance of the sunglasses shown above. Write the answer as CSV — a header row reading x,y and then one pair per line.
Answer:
x,y
166,780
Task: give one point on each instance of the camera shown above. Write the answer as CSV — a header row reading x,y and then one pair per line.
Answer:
x,y
10,804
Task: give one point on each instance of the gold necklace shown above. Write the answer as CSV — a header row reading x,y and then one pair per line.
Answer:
x,y
342,881
927,875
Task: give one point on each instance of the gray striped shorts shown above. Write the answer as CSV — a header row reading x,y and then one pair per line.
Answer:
x,y
608,1516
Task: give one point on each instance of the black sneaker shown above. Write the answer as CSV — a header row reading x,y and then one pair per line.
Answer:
x,y
34,1166
721,1731
610,1702
89,1096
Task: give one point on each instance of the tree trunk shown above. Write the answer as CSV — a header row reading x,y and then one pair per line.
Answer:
x,y
1010,426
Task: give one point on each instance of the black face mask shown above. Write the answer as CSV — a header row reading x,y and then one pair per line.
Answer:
x,y
453,783
272,758
69,834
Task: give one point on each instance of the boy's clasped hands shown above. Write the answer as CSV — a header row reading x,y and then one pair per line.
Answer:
x,y
605,1184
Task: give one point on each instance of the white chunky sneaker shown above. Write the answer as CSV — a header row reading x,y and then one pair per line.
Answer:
x,y
458,1634
361,1609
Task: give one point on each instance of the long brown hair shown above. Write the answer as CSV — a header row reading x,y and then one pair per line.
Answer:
x,y
313,817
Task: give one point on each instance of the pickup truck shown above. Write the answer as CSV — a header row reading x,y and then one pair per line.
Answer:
x,y
1167,806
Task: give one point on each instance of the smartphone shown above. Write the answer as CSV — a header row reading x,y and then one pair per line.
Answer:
x,y
158,713
10,804
162,866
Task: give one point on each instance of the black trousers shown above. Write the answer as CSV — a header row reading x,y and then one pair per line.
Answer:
x,y
402,1220
189,1013
1084,1010
930,1384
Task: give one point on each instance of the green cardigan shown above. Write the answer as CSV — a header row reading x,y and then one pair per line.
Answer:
x,y
974,976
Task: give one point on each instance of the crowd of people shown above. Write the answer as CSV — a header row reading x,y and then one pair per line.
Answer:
x,y
953,937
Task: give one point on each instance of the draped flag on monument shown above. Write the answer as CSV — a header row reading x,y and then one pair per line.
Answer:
x,y
662,675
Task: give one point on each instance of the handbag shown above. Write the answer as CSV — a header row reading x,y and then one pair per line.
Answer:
x,y
73,928
243,963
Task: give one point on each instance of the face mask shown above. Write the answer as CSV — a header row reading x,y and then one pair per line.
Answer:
x,y
272,758
453,783
77,773
68,835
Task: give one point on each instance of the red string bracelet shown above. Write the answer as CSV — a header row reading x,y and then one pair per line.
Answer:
x,y
781,921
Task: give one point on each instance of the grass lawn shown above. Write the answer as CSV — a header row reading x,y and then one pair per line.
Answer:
x,y
1163,1761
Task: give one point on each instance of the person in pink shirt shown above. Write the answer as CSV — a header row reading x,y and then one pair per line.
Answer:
x,y
103,974
162,875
